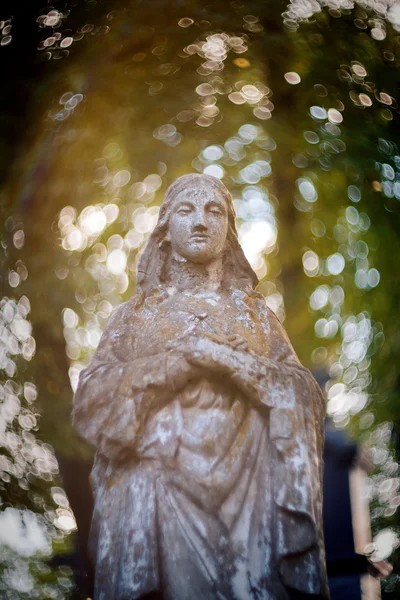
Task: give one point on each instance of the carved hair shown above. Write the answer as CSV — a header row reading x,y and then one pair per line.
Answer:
x,y
237,272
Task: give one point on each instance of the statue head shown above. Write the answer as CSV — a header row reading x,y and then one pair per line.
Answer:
x,y
197,223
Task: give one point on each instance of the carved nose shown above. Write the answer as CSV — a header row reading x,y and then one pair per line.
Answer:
x,y
198,227
199,222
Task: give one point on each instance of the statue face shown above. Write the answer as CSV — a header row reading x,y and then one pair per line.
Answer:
x,y
198,224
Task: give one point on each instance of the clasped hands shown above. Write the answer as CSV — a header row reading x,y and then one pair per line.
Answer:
x,y
222,355
210,351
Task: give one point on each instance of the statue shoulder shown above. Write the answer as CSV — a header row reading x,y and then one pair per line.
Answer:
x,y
118,333
264,312
274,330
123,314
118,315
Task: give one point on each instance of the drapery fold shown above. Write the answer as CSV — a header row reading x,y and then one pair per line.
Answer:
x,y
125,388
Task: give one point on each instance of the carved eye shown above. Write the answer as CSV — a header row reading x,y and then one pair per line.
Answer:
x,y
215,210
184,210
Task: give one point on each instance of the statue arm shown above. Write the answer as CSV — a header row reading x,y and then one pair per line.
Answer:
x,y
265,378
254,375
116,392
261,378
276,380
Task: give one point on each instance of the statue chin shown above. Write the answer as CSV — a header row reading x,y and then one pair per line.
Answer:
x,y
197,253
199,258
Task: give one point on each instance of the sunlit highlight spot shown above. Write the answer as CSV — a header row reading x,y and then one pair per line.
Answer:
x,y
378,33
214,170
242,63
66,42
310,263
237,98
92,220
185,22
335,263
319,297
384,543
334,116
318,113
121,178
358,69
311,137
256,237
66,521
261,112
365,100
292,77
251,94
307,190
354,193
213,153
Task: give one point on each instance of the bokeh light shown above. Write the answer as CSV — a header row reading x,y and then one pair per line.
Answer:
x,y
301,126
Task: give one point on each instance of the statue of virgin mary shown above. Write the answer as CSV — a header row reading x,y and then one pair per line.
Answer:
x,y
208,430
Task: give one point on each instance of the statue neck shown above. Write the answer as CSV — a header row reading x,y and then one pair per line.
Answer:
x,y
186,275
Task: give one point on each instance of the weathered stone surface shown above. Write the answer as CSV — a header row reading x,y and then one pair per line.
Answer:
x,y
207,478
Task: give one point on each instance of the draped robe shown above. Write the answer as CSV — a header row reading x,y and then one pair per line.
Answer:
x,y
202,491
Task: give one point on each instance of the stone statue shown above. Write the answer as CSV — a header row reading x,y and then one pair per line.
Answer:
x,y
209,432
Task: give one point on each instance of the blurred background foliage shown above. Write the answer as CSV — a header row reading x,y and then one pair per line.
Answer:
x,y
103,104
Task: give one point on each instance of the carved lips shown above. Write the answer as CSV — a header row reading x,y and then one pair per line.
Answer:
x,y
199,237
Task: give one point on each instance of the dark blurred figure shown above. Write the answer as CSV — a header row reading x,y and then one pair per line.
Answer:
x,y
345,567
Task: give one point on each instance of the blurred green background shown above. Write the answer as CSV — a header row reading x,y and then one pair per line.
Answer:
x,y
103,104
